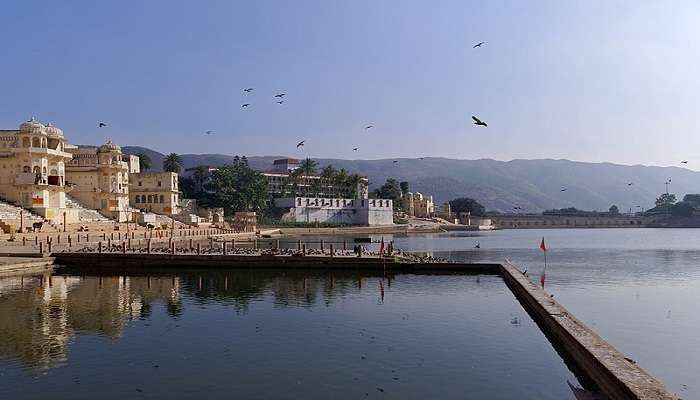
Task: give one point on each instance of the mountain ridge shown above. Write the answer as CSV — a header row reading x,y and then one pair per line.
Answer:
x,y
534,185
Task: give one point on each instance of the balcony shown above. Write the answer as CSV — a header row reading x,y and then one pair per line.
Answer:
x,y
30,178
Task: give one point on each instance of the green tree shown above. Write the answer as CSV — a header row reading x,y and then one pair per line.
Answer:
x,y
465,204
614,210
200,175
144,161
237,188
353,182
692,198
187,187
665,200
683,209
404,187
308,167
172,163
328,174
390,190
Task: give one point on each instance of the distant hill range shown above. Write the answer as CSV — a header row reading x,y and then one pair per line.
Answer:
x,y
533,185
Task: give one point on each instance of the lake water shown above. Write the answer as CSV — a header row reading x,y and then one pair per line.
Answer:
x,y
272,335
314,335
638,288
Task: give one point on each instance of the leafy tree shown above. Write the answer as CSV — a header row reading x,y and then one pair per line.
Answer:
x,y
308,167
144,161
665,200
200,175
353,182
404,187
465,204
614,210
328,174
187,186
237,188
692,198
683,209
390,190
172,163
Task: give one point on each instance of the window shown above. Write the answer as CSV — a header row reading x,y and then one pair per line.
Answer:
x,y
139,183
159,184
143,198
138,199
162,199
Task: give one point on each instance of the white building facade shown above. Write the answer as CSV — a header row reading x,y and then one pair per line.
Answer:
x,y
370,212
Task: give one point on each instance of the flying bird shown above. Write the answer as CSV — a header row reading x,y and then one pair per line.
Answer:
x,y
281,95
355,148
369,126
395,161
630,183
477,121
246,105
101,125
248,90
517,208
563,189
684,162
300,144
209,132
280,102
478,45
422,158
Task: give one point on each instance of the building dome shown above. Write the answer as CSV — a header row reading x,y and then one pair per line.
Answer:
x,y
53,131
109,146
31,126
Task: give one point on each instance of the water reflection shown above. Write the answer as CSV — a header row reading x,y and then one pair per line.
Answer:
x,y
321,335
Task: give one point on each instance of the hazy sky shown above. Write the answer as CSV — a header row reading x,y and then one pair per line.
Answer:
x,y
594,81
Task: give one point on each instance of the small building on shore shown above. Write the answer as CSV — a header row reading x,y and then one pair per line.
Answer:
x,y
157,192
362,211
542,221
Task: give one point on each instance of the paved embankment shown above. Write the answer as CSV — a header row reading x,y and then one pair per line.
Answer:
x,y
11,264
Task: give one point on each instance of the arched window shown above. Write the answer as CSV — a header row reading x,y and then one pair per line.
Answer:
x,y
143,198
138,199
162,199
43,143
36,142
26,169
26,142
44,170
150,198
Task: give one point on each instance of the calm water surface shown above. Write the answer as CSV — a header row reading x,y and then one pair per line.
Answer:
x,y
638,288
272,335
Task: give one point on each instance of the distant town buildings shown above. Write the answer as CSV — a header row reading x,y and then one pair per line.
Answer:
x,y
418,206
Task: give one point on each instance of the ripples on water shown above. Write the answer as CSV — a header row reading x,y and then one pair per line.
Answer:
x,y
638,288
269,334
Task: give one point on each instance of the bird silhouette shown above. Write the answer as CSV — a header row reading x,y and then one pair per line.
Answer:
x,y
245,105
300,144
355,148
630,183
684,162
395,161
563,189
101,125
477,121
517,208
369,126
248,90
478,45
422,158
209,132
281,95
280,102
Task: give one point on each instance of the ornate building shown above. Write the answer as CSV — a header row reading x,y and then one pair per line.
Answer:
x,y
100,177
32,168
156,192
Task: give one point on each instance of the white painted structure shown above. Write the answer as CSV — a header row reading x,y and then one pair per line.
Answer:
x,y
338,211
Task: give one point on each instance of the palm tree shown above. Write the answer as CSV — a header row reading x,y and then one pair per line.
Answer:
x,y
353,182
327,175
308,166
340,180
294,178
200,175
144,161
172,163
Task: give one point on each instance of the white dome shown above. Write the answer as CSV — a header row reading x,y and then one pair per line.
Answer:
x,y
31,126
53,131
109,146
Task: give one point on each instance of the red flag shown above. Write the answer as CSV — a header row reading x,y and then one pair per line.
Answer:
x,y
381,247
542,246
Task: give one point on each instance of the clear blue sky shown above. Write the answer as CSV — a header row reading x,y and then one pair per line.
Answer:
x,y
595,81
